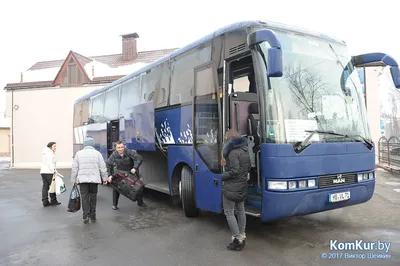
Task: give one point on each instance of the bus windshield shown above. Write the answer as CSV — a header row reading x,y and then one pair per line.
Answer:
x,y
314,94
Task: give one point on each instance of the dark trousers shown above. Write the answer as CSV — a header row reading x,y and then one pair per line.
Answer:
x,y
116,198
89,199
47,178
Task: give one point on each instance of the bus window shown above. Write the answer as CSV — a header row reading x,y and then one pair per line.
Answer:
x,y
149,81
111,103
85,111
130,96
207,133
162,86
78,114
97,108
241,84
182,79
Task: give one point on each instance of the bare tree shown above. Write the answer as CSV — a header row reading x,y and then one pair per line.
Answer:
x,y
306,88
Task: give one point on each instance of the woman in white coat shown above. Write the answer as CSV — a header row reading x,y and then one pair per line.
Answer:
x,y
47,171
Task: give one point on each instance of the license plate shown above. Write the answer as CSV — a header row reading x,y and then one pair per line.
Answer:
x,y
339,196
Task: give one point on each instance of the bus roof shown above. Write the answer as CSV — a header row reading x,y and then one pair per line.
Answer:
x,y
221,31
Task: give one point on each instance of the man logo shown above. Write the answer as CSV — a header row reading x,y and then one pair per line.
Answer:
x,y
339,180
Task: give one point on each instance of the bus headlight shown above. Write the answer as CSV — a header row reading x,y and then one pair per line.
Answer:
x,y
292,184
365,176
371,175
311,183
278,185
302,183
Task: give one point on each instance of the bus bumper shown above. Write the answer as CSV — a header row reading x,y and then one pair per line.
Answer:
x,y
277,205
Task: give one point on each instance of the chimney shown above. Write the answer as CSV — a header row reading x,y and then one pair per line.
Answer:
x,y
129,48
92,71
22,77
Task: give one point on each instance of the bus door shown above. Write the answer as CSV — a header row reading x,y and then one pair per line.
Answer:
x,y
243,116
112,135
207,139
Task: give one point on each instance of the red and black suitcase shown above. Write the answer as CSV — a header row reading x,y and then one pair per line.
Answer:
x,y
129,185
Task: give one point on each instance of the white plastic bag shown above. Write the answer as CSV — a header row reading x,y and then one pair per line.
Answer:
x,y
60,186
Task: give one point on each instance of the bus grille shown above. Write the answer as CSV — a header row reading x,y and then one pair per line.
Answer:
x,y
337,180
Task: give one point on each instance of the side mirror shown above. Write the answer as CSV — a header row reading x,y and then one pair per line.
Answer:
x,y
379,59
274,60
395,76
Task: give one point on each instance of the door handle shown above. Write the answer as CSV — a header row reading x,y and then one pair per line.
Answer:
x,y
196,167
216,182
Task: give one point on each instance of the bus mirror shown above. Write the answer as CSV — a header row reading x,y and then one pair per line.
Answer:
x,y
395,76
274,61
274,67
379,59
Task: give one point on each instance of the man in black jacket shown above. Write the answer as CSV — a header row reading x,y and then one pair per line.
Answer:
x,y
124,160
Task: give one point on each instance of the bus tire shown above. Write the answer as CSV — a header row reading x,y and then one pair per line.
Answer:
x,y
187,192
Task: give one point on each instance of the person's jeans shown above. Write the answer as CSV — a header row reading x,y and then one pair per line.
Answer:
x,y
89,199
237,227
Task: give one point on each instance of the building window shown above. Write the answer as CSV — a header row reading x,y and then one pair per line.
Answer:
x,y
72,75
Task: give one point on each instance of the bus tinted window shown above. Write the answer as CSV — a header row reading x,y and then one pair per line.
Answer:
x,y
78,114
183,76
111,103
149,82
85,111
130,96
97,107
162,86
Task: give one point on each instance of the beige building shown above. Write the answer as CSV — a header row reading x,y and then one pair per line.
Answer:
x,y
5,140
41,105
383,106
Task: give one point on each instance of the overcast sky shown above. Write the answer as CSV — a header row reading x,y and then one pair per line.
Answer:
x,y
40,30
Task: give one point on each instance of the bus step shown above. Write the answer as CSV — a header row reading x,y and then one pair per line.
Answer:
x,y
254,196
253,211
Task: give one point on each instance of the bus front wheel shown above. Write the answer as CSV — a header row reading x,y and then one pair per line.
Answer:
x,y
187,192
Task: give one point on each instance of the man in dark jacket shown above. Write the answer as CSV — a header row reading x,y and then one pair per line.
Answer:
x,y
234,186
124,160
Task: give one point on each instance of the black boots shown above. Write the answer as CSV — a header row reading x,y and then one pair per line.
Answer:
x,y
141,203
236,245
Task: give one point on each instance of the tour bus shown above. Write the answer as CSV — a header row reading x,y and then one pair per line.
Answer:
x,y
293,93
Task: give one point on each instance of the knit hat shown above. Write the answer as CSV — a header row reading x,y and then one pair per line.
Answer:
x,y
88,141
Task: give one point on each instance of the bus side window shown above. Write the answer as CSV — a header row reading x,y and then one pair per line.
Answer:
x,y
149,81
182,76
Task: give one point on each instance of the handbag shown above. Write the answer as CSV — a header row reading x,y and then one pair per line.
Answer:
x,y
52,188
74,203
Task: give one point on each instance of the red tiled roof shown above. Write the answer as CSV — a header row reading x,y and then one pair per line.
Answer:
x,y
108,79
47,64
35,84
83,60
49,83
113,61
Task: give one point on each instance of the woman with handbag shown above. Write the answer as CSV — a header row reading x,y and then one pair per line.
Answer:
x,y
47,171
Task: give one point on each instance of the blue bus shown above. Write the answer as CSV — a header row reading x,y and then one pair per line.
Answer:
x,y
295,94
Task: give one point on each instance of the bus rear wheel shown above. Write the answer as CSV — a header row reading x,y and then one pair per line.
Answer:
x,y
187,192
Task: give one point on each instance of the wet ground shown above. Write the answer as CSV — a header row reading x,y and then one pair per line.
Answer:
x,y
162,235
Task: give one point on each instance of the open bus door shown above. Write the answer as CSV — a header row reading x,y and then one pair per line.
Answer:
x,y
207,125
137,129
112,135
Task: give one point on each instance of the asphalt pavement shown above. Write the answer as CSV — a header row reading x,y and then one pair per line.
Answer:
x,y
161,235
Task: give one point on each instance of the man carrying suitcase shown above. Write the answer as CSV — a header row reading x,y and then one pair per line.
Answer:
x,y
124,160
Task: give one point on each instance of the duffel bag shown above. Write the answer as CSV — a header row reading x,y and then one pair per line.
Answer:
x,y
131,186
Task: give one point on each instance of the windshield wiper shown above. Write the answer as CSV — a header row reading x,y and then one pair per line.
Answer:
x,y
302,145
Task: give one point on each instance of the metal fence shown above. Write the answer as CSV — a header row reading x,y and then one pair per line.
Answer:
x,y
389,153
